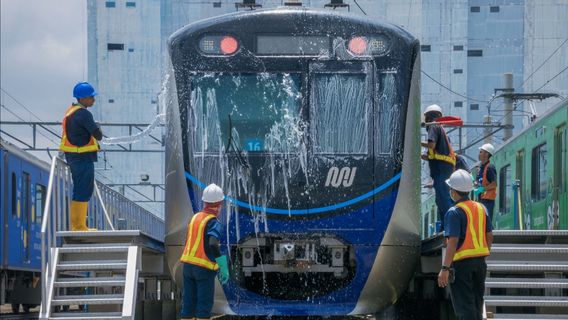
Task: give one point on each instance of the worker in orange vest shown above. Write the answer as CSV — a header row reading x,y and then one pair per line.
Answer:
x,y
79,142
486,180
468,233
202,258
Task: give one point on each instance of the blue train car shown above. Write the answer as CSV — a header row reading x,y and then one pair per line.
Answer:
x,y
309,120
24,180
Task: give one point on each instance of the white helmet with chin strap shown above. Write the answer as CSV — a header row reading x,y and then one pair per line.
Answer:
x,y
212,194
460,180
433,108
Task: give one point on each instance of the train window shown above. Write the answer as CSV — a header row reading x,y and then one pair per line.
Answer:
x,y
388,110
334,128
26,201
520,165
560,164
255,112
40,195
505,189
538,172
14,189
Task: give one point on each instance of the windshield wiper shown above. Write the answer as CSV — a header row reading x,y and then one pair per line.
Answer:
x,y
232,144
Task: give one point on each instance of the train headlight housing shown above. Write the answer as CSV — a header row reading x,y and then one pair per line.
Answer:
x,y
357,46
221,45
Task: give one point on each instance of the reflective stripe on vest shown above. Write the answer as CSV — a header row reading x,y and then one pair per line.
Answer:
x,y
194,251
451,158
66,145
489,194
475,242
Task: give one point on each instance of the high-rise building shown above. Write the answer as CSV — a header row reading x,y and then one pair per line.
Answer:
x,y
466,47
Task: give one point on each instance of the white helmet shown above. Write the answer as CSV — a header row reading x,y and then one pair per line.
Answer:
x,y
433,108
212,194
488,147
461,181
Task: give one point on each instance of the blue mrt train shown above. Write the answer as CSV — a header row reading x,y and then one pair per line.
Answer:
x,y
309,120
24,180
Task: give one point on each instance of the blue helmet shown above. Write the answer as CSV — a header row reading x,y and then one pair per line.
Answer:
x,y
83,90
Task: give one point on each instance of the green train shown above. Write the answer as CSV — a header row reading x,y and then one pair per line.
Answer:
x,y
532,175
532,171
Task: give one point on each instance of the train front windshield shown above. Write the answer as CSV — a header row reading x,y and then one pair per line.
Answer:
x,y
263,113
252,112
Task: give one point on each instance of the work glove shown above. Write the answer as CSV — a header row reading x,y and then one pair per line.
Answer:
x,y
478,191
223,269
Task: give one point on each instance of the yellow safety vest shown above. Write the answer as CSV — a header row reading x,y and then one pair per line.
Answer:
x,y
475,242
451,158
66,145
194,251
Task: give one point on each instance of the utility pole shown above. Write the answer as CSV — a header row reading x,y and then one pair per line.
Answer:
x,y
508,119
488,129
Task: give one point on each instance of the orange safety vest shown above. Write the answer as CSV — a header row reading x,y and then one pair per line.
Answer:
x,y
475,243
66,145
451,158
489,194
194,252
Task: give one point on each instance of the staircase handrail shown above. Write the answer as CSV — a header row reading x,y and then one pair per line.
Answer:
x,y
45,223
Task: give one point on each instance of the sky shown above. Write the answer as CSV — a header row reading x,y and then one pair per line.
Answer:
x,y
43,53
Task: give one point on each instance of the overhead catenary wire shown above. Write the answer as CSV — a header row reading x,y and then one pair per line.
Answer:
x,y
452,91
543,63
357,3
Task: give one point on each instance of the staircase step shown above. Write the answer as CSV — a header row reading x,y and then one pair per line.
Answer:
x,y
527,266
88,299
86,316
530,248
93,265
90,282
526,283
530,316
526,301
91,248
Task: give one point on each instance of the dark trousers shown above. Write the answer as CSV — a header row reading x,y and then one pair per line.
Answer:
x,y
468,288
489,205
83,175
198,291
443,200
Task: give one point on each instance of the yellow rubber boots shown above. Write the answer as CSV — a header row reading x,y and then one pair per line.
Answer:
x,y
78,213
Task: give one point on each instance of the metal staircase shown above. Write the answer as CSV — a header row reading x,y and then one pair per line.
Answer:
x,y
95,274
102,278
528,275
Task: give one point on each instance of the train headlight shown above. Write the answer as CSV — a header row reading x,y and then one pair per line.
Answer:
x,y
357,46
229,45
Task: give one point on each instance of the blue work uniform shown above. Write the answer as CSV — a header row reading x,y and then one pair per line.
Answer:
x,y
80,128
440,170
199,282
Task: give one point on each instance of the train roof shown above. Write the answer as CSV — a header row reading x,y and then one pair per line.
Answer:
x,y
10,148
547,114
290,15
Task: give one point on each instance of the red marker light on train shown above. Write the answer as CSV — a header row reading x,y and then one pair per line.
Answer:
x,y
357,46
229,45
